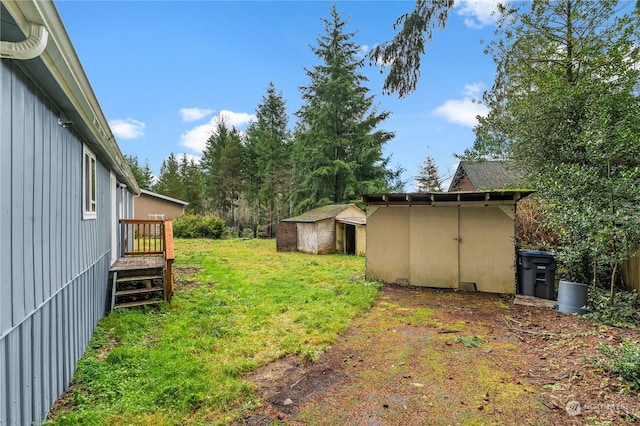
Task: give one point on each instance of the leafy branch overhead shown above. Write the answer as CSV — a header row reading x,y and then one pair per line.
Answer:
x,y
564,108
402,54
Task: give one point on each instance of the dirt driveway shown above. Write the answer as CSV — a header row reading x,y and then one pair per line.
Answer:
x,y
429,357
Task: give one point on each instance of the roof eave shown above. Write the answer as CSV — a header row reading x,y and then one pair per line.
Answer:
x,y
163,197
64,67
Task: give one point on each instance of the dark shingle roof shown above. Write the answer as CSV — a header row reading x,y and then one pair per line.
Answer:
x,y
320,213
486,175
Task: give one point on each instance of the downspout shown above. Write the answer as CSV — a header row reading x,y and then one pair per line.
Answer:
x,y
30,48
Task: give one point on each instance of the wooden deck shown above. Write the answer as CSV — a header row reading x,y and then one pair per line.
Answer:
x,y
131,263
144,274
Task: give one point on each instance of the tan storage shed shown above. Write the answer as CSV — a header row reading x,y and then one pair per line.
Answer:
x,y
457,240
328,229
149,205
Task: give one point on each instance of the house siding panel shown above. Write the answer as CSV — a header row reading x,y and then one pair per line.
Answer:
x,y
6,213
54,268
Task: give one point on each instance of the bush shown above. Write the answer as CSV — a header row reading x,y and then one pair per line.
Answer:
x,y
196,226
622,313
624,361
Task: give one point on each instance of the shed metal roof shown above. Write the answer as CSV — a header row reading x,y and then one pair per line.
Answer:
x,y
320,213
448,198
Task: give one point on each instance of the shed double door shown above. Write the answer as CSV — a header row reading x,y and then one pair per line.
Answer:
x,y
453,245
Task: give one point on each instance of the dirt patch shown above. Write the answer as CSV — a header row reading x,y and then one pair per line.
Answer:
x,y
423,356
181,277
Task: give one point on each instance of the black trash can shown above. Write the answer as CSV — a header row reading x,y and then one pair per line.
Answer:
x,y
536,274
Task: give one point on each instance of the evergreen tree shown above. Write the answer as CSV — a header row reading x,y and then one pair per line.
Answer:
x,y
429,179
143,174
268,141
170,182
223,163
402,54
193,184
338,151
564,107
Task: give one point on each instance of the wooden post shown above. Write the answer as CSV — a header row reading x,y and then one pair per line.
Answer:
x,y
169,256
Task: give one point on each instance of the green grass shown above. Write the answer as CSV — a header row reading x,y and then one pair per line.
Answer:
x,y
186,361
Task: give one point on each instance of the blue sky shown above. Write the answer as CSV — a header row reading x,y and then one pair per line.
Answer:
x,y
164,71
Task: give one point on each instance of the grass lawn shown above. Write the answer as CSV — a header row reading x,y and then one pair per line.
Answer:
x,y
238,304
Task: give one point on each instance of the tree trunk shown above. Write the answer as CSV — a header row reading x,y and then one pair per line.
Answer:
x,y
613,284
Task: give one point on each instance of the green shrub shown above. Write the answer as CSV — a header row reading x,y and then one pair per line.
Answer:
x,y
624,312
624,361
196,226
469,341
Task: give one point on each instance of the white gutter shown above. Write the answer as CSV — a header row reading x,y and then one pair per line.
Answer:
x,y
61,60
30,48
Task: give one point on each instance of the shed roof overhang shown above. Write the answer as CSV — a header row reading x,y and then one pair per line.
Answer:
x,y
163,197
59,71
352,220
475,198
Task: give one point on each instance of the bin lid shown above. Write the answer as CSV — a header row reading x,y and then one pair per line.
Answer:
x,y
535,253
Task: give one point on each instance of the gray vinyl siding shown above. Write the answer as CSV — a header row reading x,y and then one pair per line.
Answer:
x,y
53,264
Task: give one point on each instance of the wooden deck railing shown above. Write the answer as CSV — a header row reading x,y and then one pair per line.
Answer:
x,y
141,237
169,257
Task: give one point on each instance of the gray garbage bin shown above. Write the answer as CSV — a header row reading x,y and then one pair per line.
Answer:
x,y
536,274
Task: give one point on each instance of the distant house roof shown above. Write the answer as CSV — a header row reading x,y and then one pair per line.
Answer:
x,y
483,175
163,197
321,213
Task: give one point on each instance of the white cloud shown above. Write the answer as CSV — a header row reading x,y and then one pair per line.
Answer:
x,y
463,111
194,114
196,139
127,129
474,89
363,50
237,119
196,159
477,13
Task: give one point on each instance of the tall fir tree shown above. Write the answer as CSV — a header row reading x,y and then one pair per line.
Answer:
x,y
268,147
169,182
223,164
193,184
144,176
429,179
338,151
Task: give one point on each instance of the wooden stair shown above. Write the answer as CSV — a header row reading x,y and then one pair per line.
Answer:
x,y
138,281
144,273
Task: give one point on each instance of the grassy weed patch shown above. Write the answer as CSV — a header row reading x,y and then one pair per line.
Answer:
x,y
184,363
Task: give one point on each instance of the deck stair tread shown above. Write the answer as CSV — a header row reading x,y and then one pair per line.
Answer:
x,y
132,263
134,291
139,278
138,303
140,272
